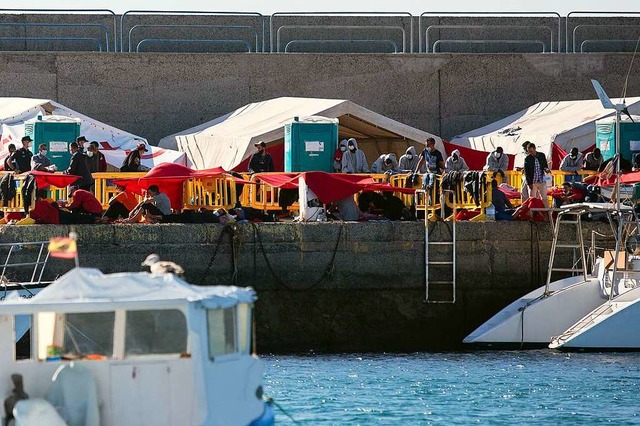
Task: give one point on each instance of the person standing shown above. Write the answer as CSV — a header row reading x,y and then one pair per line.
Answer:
x,y
97,162
434,161
9,161
524,188
261,161
40,162
535,166
23,156
79,166
337,156
80,140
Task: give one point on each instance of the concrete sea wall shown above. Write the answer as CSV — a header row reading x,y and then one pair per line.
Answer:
x,y
333,286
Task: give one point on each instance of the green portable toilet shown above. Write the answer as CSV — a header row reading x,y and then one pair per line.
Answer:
x,y
309,144
629,137
57,132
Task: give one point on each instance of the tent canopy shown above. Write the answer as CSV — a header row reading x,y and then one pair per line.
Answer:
x,y
228,140
565,123
115,144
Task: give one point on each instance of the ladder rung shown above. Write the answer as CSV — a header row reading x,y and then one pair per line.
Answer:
x,y
566,270
568,246
575,222
440,282
441,243
440,263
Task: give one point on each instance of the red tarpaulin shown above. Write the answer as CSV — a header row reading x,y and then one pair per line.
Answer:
x,y
476,160
169,178
58,180
330,187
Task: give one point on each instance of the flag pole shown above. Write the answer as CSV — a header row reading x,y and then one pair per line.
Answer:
x,y
74,236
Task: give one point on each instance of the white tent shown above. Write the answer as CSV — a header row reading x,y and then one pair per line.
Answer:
x,y
114,143
565,123
228,140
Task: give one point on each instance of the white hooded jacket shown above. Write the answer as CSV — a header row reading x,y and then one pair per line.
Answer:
x,y
379,166
407,165
455,166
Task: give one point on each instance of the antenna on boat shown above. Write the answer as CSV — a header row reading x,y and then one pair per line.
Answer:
x,y
619,108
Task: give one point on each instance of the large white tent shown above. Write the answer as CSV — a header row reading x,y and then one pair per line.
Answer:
x,y
228,140
114,143
565,123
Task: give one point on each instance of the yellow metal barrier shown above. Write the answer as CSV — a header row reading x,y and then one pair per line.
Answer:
x,y
462,199
104,188
209,193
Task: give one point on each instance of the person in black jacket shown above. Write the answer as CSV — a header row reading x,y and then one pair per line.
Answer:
x,y
79,166
132,162
261,161
535,166
22,157
9,161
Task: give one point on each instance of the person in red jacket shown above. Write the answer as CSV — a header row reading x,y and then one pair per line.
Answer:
x,y
84,203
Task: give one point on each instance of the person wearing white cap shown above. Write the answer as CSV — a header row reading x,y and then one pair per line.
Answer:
x,y
261,161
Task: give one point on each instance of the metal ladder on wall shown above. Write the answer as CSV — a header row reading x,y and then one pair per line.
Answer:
x,y
581,258
428,262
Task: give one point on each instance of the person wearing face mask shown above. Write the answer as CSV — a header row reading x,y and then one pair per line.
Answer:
x,y
409,161
455,163
337,156
386,163
97,162
261,161
434,162
40,162
497,162
353,159
593,160
572,163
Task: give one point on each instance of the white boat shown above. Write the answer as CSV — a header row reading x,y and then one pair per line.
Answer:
x,y
534,319
134,349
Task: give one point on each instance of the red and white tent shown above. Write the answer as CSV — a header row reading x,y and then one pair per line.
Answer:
x,y
114,143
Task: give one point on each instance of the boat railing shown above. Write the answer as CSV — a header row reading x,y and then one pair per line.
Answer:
x,y
38,263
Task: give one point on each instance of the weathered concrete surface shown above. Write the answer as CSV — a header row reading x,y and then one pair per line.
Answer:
x,y
368,297
155,95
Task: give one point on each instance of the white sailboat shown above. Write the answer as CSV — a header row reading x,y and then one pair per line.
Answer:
x,y
535,318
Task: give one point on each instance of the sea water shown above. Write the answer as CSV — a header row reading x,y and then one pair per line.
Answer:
x,y
485,387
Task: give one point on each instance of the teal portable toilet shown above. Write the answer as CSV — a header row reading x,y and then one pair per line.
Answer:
x,y
629,137
309,144
57,132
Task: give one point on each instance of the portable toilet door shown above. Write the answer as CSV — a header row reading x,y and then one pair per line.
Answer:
x,y
629,137
309,144
57,132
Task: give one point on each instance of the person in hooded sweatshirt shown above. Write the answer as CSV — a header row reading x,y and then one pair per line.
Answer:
x,y
497,162
386,163
572,163
455,163
337,156
409,161
354,160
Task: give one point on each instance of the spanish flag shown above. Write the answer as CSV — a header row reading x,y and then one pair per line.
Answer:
x,y
63,248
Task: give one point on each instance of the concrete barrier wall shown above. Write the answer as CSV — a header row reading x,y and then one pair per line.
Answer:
x,y
155,94
332,286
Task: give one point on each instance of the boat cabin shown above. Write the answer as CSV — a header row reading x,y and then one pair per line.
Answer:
x,y
135,349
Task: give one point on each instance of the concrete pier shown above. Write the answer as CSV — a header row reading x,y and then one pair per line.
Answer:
x,y
335,286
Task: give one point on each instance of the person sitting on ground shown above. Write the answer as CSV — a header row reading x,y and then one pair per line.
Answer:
x,y
9,161
83,203
497,162
155,207
132,163
502,205
120,205
79,166
261,161
347,209
593,160
45,210
567,195
572,163
386,163
337,156
455,163
97,162
40,162
409,161
354,160
393,208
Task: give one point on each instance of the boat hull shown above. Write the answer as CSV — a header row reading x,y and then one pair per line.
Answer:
x,y
534,319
